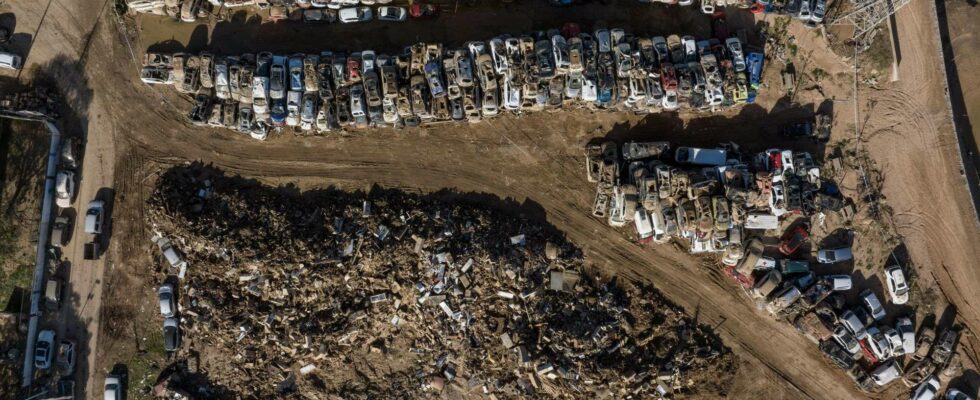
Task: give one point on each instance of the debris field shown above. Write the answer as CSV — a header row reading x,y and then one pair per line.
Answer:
x,y
392,295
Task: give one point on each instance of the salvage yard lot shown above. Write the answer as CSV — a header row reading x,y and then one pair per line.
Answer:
x,y
534,160
534,164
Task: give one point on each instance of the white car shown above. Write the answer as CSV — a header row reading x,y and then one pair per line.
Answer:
x,y
894,341
927,390
168,304
670,100
64,188
355,14
644,227
878,343
589,90
94,217
873,304
907,330
707,7
886,373
44,349
112,389
897,287
10,61
847,341
512,95
368,61
735,51
498,54
292,108
839,283
392,14
819,11
853,324
805,13
690,48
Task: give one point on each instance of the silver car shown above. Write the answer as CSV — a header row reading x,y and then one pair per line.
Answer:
x,y
873,304
168,304
830,256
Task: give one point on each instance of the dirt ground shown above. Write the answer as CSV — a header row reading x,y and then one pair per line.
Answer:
x,y
909,134
530,165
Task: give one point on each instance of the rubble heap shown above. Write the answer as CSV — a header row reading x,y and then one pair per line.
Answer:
x,y
392,294
32,103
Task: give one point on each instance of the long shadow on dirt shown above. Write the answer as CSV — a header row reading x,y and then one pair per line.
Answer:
x,y
713,130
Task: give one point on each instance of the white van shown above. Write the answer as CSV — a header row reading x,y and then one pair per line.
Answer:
x,y
699,156
839,282
644,228
260,94
10,61
886,373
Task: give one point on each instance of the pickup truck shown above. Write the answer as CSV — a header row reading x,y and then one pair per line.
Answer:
x,y
943,349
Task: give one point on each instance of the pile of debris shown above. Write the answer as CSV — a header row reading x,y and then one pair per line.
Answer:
x,y
392,294
34,103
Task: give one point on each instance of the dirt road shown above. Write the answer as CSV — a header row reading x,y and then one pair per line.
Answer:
x,y
57,39
910,135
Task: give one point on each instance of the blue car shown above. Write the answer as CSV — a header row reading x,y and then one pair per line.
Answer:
x,y
277,114
754,71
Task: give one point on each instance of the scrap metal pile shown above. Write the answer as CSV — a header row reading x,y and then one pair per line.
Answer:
x,y
393,294
429,83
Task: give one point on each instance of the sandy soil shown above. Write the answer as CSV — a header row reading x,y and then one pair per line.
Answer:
x,y
531,165
909,133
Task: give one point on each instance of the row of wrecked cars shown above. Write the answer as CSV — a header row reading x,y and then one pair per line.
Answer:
x,y
428,83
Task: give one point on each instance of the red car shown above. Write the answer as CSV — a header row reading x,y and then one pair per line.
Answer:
x,y
668,77
421,11
354,68
719,27
793,240
570,30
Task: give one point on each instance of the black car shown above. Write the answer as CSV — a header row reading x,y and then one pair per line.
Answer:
x,y
836,354
201,110
171,334
803,129
546,61
456,109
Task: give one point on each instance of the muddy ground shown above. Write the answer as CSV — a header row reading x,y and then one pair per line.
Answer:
x,y
530,165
